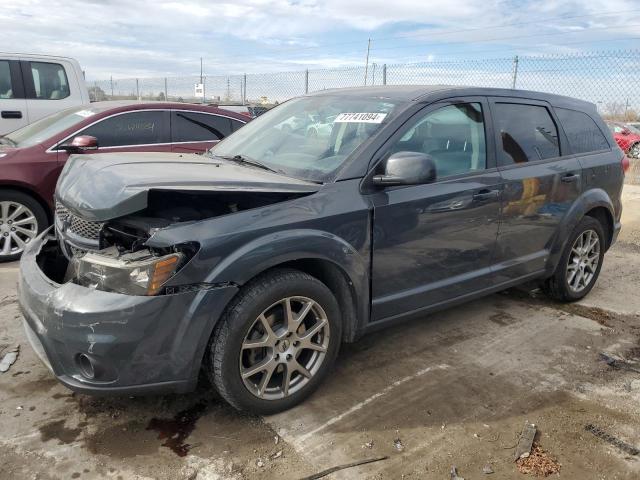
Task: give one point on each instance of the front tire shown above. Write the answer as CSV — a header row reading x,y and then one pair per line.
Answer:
x,y
275,343
22,218
580,264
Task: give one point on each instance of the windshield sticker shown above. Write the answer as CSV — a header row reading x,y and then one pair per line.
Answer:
x,y
85,113
360,118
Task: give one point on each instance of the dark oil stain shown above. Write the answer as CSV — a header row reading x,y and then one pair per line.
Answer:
x,y
502,318
57,430
75,475
31,409
174,431
122,440
20,372
86,470
58,396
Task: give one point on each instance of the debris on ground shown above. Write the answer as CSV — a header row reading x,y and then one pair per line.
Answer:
x,y
368,445
276,439
525,442
618,363
331,470
487,469
616,442
397,443
276,455
454,474
259,463
9,358
538,463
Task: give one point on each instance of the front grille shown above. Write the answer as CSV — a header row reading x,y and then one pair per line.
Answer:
x,y
80,227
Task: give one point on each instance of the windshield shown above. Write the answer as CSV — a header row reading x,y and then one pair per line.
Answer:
x,y
47,127
308,137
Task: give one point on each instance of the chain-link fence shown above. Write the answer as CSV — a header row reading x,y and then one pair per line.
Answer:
x,y
610,79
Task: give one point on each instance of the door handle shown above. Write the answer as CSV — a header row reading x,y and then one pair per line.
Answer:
x,y
570,178
11,114
486,194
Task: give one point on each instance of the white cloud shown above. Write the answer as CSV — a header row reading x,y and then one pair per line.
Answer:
x,y
149,37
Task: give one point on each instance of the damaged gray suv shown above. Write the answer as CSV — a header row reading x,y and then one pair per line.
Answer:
x,y
328,217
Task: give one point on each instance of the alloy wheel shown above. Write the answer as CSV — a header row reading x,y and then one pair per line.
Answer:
x,y
284,348
583,261
18,226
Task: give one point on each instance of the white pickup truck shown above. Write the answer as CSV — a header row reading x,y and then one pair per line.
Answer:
x,y
35,86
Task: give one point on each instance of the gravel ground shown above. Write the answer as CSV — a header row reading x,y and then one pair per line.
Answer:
x,y
453,388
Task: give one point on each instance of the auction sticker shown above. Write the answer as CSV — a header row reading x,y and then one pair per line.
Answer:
x,y
360,118
85,113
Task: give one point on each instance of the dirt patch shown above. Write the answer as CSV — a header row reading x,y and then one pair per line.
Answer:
x,y
538,463
57,430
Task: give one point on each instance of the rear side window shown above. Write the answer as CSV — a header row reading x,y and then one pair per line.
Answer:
x,y
130,129
198,127
6,88
582,132
50,81
527,133
235,125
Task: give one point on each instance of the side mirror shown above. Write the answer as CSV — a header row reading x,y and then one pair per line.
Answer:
x,y
407,168
81,143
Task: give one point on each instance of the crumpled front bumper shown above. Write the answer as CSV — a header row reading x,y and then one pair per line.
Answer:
x,y
136,344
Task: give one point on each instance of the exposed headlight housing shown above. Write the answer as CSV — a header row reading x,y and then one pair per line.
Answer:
x,y
140,273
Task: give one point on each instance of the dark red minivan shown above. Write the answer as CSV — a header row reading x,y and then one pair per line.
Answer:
x,y
32,157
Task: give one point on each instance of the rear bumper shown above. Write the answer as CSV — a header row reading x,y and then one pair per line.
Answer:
x,y
135,344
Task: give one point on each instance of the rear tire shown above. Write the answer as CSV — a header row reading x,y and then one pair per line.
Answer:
x,y
22,218
634,151
580,264
285,327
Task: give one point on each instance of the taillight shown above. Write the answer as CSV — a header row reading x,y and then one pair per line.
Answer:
x,y
625,164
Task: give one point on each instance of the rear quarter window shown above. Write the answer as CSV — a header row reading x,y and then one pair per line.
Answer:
x,y
527,133
583,133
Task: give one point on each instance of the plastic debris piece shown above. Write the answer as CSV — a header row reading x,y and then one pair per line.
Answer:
x,y
487,469
278,454
397,443
9,358
523,449
454,474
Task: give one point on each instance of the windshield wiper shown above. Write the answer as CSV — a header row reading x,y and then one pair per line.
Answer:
x,y
249,161
7,141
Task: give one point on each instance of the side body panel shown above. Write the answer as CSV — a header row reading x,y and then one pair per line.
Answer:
x,y
536,198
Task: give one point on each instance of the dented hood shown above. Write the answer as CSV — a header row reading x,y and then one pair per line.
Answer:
x,y
100,187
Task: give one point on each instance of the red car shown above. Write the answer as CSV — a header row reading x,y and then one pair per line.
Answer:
x,y
32,157
627,138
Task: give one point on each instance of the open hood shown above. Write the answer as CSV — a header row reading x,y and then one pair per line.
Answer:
x,y
101,187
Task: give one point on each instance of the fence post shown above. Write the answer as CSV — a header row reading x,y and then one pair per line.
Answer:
x,y
137,89
384,74
515,71
244,89
306,81
166,93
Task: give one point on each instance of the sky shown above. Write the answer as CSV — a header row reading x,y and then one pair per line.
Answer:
x,y
154,38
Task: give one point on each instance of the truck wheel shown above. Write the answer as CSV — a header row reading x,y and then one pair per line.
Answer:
x,y
634,151
21,220
275,343
581,261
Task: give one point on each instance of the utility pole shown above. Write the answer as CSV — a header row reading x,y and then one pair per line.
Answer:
x,y
626,108
373,75
111,80
166,96
201,82
515,72
366,64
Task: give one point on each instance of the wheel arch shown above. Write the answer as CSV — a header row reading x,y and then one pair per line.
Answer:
x,y
595,203
322,255
32,193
